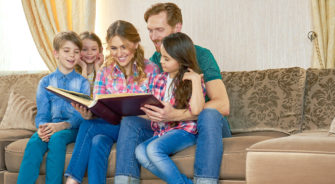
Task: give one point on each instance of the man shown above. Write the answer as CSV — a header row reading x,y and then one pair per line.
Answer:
x,y
162,20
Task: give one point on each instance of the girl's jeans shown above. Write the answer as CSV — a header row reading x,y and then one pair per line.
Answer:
x,y
33,157
153,154
94,142
212,127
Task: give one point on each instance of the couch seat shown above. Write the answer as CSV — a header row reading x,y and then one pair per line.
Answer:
x,y
233,163
300,158
8,136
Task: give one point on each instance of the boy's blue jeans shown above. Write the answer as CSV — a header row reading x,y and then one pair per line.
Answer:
x,y
94,143
153,154
212,127
33,157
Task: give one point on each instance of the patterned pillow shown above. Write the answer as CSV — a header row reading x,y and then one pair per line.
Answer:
x,y
265,99
20,113
319,106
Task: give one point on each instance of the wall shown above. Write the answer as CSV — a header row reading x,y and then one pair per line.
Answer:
x,y
242,34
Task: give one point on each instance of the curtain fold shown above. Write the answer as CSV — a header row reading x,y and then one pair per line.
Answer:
x,y
323,12
48,17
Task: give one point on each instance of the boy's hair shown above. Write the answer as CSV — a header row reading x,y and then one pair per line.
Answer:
x,y
127,31
64,36
92,36
181,48
173,12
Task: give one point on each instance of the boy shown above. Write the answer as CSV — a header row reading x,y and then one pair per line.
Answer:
x,y
57,121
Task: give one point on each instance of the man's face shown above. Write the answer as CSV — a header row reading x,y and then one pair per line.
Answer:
x,y
159,28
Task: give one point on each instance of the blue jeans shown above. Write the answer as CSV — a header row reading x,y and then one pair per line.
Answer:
x,y
212,127
94,143
153,154
33,157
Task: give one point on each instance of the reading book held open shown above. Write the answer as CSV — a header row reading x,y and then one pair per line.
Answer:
x,y
110,107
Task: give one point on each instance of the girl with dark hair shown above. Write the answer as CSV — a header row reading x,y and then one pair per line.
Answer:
x,y
181,85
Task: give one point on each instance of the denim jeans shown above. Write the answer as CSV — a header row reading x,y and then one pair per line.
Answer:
x,y
212,127
33,157
153,154
94,142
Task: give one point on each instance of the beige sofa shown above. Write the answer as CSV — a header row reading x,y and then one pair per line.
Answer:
x,y
279,119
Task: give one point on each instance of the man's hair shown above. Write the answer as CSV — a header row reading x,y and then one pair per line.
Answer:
x,y
173,12
64,36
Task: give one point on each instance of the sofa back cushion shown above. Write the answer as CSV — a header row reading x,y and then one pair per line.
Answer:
x,y
319,109
265,99
25,84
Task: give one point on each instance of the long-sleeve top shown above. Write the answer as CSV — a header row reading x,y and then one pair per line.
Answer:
x,y
159,90
52,108
111,80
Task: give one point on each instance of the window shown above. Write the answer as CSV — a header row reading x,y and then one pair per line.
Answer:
x,y
17,48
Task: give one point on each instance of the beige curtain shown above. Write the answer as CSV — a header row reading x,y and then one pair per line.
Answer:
x,y
48,17
323,12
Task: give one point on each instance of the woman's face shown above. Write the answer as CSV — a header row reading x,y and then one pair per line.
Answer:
x,y
90,51
122,50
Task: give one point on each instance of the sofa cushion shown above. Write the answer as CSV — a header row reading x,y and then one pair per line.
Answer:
x,y
319,108
20,113
25,84
233,163
8,136
303,158
265,99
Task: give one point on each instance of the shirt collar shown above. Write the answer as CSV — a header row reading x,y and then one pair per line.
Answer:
x,y
117,71
59,74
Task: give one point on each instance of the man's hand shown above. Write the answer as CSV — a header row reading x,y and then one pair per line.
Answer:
x,y
85,113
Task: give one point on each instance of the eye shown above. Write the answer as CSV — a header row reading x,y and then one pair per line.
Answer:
x,y
77,51
113,48
66,50
123,47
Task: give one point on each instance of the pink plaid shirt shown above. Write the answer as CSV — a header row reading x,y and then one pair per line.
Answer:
x,y
158,90
110,79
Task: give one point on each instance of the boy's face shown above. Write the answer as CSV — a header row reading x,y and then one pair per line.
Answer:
x,y
67,56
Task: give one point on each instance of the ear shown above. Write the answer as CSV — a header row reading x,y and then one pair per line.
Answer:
x,y
55,52
177,27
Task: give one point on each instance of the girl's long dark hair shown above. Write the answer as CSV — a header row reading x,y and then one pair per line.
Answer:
x,y
181,48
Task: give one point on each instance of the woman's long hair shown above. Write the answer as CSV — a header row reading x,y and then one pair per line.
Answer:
x,y
126,31
181,48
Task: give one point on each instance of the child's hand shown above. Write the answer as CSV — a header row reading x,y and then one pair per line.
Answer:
x,y
82,63
51,128
85,113
99,61
192,76
41,133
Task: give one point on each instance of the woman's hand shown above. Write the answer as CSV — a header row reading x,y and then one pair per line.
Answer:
x,y
85,113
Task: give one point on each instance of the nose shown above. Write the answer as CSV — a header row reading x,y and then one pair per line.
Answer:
x,y
154,35
118,52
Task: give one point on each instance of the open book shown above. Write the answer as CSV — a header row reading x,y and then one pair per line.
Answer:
x,y
110,107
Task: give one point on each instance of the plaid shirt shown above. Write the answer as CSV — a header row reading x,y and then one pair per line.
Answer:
x,y
158,90
110,79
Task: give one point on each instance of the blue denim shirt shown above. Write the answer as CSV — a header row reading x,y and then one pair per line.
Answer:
x,y
52,108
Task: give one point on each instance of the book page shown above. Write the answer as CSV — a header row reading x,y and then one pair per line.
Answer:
x,y
71,95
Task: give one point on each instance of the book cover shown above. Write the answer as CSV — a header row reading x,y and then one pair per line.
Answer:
x,y
110,107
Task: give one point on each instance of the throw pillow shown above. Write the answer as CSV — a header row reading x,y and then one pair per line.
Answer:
x,y
20,113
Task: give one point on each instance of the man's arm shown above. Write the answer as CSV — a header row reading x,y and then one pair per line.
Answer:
x,y
218,96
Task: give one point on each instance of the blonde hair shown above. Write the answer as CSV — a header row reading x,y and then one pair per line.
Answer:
x,y
126,31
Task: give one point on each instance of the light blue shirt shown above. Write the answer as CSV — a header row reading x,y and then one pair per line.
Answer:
x,y
52,108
